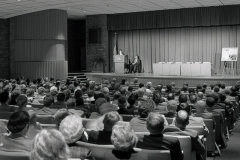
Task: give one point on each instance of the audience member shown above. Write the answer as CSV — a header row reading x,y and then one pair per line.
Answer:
x,y
98,103
48,100
156,140
4,98
49,145
122,104
201,110
139,123
22,103
182,120
13,100
60,115
104,136
18,125
72,131
124,140
171,107
60,102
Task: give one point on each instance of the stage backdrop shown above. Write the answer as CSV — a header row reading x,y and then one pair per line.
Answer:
x,y
177,44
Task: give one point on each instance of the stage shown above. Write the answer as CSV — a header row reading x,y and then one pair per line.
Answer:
x,y
229,80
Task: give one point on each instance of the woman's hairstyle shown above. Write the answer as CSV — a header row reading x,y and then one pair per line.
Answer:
x,y
18,121
21,100
60,115
146,107
49,145
123,137
71,128
41,90
30,92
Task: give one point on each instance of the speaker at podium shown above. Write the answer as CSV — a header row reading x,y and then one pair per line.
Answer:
x,y
119,61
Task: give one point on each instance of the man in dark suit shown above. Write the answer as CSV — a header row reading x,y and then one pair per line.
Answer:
x,y
156,140
60,102
104,137
182,120
134,64
47,102
122,104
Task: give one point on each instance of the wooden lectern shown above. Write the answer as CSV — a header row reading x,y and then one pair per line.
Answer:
x,y
120,61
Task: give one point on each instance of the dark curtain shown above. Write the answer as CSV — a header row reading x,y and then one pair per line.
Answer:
x,y
177,44
190,17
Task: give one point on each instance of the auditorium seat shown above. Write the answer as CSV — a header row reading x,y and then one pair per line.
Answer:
x,y
38,106
14,155
185,142
211,136
49,126
98,151
5,115
45,119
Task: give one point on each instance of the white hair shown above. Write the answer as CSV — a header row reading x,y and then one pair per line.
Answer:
x,y
71,127
149,85
49,145
123,137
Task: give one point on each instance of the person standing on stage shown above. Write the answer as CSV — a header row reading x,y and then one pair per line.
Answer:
x,y
135,64
120,52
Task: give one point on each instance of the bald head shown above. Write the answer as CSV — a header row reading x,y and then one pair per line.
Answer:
x,y
200,106
182,119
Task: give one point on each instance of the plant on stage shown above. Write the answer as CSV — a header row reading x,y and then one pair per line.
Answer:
x,y
97,61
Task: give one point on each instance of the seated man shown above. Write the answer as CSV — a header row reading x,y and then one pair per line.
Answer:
x,y
47,102
201,111
135,64
182,120
60,102
124,140
122,104
72,130
104,136
171,107
18,126
139,123
156,140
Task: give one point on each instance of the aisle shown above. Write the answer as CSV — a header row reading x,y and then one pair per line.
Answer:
x,y
232,152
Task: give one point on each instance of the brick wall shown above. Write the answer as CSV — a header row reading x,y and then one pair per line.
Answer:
x,y
94,22
4,49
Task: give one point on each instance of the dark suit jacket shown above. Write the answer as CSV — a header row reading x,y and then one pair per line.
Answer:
x,y
197,145
80,152
100,137
170,114
125,111
131,155
159,142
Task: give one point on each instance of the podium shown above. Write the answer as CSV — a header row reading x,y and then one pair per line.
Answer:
x,y
120,61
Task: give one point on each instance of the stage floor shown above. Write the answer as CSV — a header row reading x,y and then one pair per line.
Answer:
x,y
229,80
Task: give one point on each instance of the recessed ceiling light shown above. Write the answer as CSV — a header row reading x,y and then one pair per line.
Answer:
x,y
18,0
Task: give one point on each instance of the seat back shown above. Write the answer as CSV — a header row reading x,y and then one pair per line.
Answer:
x,y
155,154
39,106
186,146
127,118
45,119
49,126
98,151
14,155
199,129
5,115
211,136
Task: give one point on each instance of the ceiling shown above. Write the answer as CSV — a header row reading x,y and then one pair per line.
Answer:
x,y
79,9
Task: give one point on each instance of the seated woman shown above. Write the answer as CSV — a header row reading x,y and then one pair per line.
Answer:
x,y
124,140
49,144
135,64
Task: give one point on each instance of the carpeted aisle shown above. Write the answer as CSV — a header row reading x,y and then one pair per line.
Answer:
x,y
232,152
